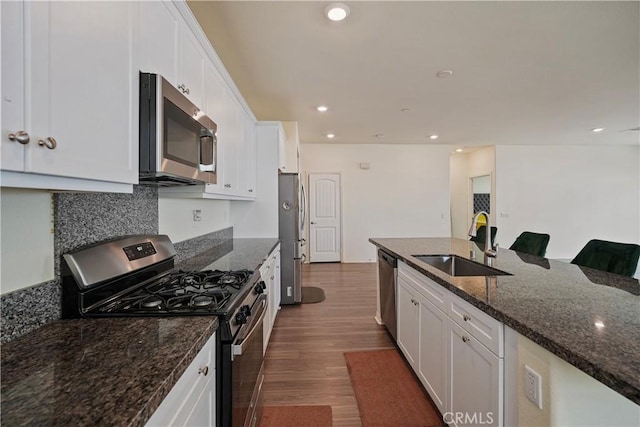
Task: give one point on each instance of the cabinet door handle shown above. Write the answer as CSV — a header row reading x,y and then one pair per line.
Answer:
x,y
465,339
466,318
251,190
48,142
21,136
204,371
183,88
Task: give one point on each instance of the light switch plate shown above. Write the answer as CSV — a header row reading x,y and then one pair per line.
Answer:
x,y
197,215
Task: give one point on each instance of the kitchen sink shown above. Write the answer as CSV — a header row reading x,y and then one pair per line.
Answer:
x,y
454,265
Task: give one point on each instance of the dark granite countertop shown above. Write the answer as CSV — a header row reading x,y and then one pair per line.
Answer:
x,y
589,318
88,372
235,254
112,371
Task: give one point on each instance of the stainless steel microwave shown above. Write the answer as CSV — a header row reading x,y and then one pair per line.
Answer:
x,y
177,140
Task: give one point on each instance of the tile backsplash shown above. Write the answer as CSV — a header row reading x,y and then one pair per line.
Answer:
x,y
84,218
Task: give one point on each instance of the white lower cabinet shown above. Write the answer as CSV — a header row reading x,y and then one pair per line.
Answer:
x,y
422,337
408,322
434,326
476,392
455,349
191,401
270,274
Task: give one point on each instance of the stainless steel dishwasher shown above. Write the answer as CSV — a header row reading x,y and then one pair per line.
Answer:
x,y
387,276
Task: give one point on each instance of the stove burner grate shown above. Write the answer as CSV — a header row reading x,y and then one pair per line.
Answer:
x,y
182,292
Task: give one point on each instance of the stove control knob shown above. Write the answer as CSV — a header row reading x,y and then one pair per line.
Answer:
x,y
264,286
241,318
258,289
246,310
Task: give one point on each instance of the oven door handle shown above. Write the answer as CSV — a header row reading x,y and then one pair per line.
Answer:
x,y
239,348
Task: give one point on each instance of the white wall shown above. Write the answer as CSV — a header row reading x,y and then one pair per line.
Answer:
x,y
405,193
27,238
573,193
175,217
463,167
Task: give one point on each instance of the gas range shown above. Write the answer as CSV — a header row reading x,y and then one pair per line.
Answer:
x,y
136,276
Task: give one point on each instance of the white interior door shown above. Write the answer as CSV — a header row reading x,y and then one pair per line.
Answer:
x,y
324,217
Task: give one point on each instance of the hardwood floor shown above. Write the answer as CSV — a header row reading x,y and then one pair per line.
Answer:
x,y
304,361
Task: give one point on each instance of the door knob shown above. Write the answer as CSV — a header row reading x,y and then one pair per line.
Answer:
x,y
21,136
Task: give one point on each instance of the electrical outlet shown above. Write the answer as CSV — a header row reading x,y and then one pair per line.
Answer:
x,y
533,386
197,215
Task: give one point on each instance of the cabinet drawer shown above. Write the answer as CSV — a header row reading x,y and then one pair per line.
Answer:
x,y
432,291
185,393
480,325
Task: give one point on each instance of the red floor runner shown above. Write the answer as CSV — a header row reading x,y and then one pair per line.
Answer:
x,y
387,392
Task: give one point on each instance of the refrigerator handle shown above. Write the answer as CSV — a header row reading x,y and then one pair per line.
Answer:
x,y
304,206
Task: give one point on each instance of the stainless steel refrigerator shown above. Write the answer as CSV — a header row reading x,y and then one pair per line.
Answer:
x,y
291,228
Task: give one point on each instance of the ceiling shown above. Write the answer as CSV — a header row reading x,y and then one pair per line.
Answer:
x,y
523,72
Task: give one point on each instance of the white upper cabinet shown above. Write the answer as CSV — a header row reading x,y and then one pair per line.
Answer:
x,y
158,39
13,122
231,136
66,83
290,151
168,47
282,152
251,160
190,66
214,89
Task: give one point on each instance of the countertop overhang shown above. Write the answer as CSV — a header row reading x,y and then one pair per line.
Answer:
x,y
587,317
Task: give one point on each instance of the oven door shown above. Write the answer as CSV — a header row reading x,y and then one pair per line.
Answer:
x,y
247,368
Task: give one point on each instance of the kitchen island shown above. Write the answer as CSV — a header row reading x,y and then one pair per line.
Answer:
x,y
588,318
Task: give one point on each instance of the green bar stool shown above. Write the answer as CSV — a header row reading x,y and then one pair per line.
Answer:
x,y
531,243
613,257
481,234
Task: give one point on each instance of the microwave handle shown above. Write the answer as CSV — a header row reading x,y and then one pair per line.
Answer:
x,y
208,142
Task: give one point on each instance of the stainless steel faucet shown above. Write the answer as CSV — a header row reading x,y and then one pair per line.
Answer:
x,y
488,244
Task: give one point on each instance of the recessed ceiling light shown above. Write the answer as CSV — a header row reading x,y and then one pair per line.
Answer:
x,y
433,137
597,129
458,150
322,108
337,11
379,135
331,135
444,73
599,324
